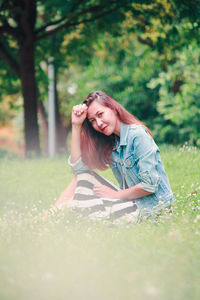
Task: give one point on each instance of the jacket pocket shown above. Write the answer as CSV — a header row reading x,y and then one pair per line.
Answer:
x,y
131,170
129,162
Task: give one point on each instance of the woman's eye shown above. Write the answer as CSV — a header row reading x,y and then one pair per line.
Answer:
x,y
100,114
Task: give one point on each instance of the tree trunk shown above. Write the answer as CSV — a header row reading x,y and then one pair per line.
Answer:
x,y
25,17
29,92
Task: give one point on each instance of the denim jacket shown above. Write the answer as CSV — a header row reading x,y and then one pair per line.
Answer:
x,y
136,159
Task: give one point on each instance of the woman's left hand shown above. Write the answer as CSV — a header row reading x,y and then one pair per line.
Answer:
x,y
103,191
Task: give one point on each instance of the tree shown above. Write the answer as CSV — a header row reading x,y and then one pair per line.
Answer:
x,y
23,23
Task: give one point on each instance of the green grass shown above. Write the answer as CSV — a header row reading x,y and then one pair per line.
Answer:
x,y
69,258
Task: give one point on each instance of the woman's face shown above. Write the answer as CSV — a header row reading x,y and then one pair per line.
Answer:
x,y
103,119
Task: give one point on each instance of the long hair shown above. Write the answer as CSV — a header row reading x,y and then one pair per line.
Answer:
x,y
96,148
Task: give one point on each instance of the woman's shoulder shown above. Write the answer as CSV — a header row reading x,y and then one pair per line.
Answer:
x,y
138,132
137,129
138,135
130,133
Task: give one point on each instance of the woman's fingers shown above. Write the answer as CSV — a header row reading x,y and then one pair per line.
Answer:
x,y
79,113
99,190
79,109
104,191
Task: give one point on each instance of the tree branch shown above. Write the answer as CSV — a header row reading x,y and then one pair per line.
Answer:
x,y
53,23
69,23
68,20
10,60
148,41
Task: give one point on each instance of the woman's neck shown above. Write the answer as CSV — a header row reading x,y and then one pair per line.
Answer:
x,y
117,128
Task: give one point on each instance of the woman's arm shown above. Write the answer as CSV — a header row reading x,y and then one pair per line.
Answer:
x,y
75,151
131,193
79,113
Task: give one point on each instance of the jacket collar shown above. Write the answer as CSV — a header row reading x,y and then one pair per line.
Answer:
x,y
124,134
122,140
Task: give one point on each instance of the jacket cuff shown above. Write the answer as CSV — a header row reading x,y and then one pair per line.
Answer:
x,y
149,183
78,166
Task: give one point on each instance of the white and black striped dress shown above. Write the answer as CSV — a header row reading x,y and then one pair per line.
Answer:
x,y
86,202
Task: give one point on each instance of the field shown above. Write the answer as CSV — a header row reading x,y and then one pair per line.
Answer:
x,y
68,258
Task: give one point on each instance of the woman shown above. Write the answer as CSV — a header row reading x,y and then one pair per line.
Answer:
x,y
105,134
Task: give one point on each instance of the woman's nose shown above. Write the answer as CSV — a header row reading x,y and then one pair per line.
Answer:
x,y
99,123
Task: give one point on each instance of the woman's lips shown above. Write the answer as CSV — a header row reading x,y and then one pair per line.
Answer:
x,y
104,128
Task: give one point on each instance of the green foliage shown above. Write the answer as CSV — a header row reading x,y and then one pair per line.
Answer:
x,y
179,92
123,65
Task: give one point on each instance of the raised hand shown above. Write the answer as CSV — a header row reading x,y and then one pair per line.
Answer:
x,y
79,114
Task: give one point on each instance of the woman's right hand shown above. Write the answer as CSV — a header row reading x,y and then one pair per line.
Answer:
x,y
79,114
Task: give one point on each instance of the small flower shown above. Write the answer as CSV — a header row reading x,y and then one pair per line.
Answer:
x,y
197,219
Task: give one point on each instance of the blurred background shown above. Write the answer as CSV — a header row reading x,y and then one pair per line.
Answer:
x,y
145,54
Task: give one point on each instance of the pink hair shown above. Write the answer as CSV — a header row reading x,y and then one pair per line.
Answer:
x,y
96,148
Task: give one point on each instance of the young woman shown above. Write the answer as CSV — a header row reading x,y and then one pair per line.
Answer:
x,y
105,134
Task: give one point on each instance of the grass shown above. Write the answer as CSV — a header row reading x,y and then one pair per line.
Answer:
x,y
69,258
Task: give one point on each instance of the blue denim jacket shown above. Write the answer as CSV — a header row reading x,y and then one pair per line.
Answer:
x,y
136,159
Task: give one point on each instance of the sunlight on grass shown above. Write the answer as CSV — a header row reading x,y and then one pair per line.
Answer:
x,y
66,257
